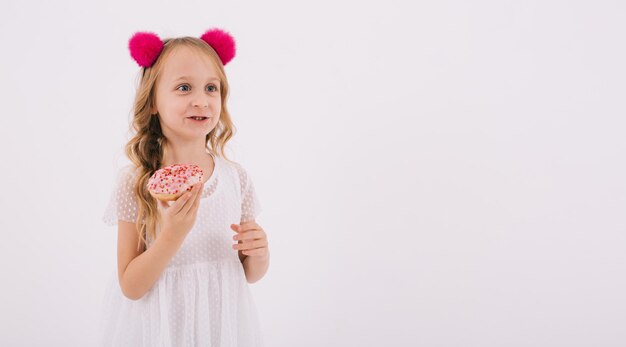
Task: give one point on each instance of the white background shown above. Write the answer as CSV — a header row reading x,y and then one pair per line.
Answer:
x,y
442,173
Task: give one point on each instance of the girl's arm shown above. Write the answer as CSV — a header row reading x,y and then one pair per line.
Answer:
x,y
256,267
137,270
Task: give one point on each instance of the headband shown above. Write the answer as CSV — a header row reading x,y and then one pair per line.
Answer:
x,y
145,47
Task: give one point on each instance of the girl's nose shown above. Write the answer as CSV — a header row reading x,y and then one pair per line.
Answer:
x,y
200,102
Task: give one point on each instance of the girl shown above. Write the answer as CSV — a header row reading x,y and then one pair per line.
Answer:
x,y
183,269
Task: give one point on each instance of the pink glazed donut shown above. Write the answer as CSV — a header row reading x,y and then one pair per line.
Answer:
x,y
170,182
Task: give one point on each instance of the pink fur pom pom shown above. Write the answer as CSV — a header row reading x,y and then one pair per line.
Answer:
x,y
222,42
145,47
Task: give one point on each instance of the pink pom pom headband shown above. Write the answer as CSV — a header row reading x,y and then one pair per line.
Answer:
x,y
145,47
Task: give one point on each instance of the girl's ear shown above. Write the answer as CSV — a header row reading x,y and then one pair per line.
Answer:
x,y
153,110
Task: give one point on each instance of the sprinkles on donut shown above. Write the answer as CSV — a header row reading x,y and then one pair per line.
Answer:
x,y
170,182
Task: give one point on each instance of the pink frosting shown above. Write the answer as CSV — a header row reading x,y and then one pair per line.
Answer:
x,y
175,178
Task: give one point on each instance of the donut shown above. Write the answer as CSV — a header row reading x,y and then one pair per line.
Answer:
x,y
170,182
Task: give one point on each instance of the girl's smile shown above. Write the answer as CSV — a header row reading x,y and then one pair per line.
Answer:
x,y
201,121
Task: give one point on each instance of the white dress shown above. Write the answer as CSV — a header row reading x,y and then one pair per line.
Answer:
x,y
202,298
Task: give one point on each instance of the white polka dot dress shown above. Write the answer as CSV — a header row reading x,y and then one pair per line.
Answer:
x,y
202,298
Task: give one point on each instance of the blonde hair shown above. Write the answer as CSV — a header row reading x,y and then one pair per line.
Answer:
x,y
145,149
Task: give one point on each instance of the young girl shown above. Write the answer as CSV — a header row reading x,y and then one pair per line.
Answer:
x,y
184,268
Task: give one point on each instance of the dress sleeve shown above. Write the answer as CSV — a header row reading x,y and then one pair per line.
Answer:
x,y
122,204
250,204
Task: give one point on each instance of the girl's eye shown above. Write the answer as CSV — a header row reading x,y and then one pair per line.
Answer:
x,y
187,87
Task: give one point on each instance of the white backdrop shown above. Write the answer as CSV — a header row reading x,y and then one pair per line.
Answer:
x,y
442,173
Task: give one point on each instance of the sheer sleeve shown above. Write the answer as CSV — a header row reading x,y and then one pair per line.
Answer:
x,y
122,204
250,204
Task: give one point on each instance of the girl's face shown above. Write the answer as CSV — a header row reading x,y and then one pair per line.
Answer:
x,y
188,86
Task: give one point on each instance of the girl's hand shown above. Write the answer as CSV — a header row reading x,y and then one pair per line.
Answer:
x,y
252,239
178,219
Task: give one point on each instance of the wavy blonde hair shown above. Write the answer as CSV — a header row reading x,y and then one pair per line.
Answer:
x,y
145,149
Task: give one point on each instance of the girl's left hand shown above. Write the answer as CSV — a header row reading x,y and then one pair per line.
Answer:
x,y
253,239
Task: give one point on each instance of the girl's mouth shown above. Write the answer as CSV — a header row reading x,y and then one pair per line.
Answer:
x,y
199,119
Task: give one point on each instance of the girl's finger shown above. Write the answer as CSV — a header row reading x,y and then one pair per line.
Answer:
x,y
200,189
161,203
196,202
245,235
254,234
248,245
256,251
179,205
189,203
184,208
164,205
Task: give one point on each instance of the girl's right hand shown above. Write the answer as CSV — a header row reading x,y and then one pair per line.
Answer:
x,y
178,219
